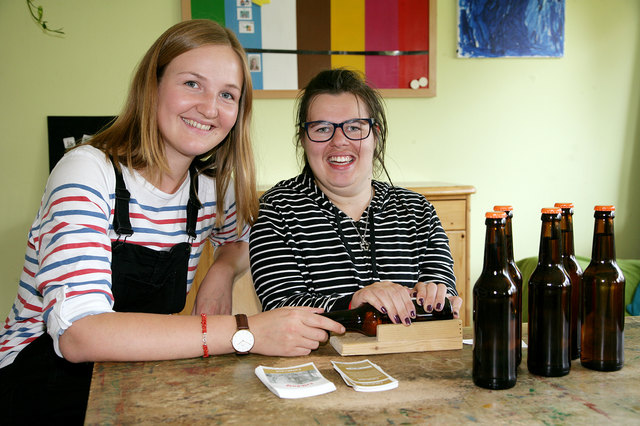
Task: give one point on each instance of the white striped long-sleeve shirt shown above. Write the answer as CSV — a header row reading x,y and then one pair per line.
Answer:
x,y
67,268
299,257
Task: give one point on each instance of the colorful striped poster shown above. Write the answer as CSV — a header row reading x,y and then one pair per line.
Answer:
x,y
289,41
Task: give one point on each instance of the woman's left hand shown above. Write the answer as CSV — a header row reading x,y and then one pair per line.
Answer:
x,y
389,298
215,292
431,296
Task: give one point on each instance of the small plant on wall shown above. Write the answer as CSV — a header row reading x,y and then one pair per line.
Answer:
x,y
37,14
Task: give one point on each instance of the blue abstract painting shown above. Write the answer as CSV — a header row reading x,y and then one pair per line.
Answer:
x,y
510,28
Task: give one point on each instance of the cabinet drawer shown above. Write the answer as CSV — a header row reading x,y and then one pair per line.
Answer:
x,y
452,213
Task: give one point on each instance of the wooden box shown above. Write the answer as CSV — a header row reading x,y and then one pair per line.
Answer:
x,y
396,338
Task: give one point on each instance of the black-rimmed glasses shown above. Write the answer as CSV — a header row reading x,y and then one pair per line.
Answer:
x,y
322,131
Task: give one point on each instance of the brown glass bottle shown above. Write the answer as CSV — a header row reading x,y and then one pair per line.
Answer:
x,y
365,318
603,299
573,270
495,314
515,273
549,304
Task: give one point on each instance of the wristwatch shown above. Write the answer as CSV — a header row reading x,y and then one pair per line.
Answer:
x,y
242,340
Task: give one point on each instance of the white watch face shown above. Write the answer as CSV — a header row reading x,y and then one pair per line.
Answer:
x,y
242,341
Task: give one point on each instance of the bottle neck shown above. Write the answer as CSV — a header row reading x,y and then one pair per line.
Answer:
x,y
495,257
508,238
351,318
550,241
603,238
566,228
363,319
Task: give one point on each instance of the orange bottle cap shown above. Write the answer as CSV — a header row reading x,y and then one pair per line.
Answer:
x,y
551,210
495,215
502,208
604,208
564,205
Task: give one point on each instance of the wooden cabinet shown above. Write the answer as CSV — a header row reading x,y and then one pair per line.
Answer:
x,y
452,203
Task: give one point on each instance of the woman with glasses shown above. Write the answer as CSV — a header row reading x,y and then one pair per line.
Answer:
x,y
333,237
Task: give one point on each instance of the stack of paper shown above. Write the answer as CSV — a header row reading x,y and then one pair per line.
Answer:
x,y
298,381
365,376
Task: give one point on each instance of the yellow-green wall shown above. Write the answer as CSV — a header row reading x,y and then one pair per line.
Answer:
x,y
528,132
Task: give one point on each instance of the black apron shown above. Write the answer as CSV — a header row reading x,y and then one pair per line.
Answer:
x,y
47,388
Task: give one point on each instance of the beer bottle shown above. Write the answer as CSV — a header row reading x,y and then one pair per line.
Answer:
x,y
495,314
365,318
515,273
603,299
573,270
549,304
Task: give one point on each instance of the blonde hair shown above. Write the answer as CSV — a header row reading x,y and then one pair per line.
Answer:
x,y
134,138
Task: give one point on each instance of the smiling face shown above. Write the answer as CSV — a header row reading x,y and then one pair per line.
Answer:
x,y
198,100
341,166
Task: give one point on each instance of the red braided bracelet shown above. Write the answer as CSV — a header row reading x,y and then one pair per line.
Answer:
x,y
205,348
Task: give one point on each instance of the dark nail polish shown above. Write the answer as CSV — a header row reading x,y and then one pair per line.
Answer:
x,y
397,318
407,321
383,310
438,306
415,293
429,308
421,300
413,314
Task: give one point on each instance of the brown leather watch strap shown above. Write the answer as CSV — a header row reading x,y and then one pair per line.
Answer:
x,y
242,322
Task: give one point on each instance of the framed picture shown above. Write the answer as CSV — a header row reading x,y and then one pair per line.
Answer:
x,y
511,28
65,132
391,42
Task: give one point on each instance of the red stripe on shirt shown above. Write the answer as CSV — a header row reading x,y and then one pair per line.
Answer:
x,y
77,246
73,274
76,293
29,305
61,200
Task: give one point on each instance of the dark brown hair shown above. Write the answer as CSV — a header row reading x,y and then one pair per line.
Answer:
x,y
335,82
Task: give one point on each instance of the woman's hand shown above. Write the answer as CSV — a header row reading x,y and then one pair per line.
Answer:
x,y
213,298
389,298
431,296
214,294
291,331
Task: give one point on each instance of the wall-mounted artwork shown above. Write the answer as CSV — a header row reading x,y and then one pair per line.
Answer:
x,y
510,28
65,132
392,42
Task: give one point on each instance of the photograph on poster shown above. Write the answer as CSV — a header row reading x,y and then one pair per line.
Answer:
x,y
247,27
244,13
254,62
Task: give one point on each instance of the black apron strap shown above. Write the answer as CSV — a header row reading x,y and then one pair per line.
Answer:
x,y
121,222
194,203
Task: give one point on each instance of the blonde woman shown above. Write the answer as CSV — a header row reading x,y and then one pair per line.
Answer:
x,y
114,247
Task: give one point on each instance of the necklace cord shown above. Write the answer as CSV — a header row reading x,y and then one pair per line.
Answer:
x,y
372,240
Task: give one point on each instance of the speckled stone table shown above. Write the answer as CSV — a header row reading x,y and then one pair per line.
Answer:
x,y
434,388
